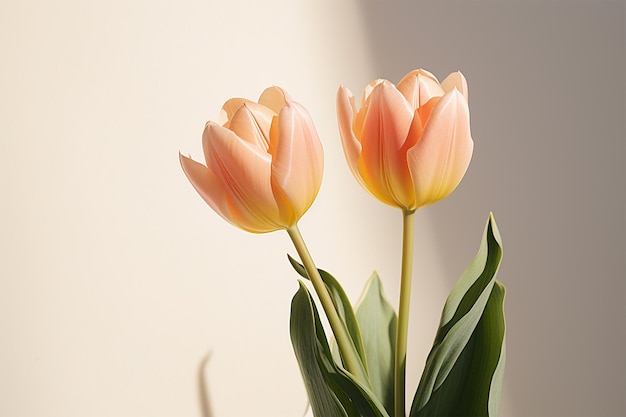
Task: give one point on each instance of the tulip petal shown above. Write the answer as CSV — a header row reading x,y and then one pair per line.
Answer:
x,y
251,122
383,164
230,108
359,118
368,90
207,185
297,158
274,98
244,171
419,86
351,145
455,80
440,158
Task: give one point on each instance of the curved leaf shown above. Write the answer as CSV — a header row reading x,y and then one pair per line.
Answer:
x,y
342,305
463,372
378,324
305,340
332,391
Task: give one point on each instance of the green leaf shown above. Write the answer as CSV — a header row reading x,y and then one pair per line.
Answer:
x,y
378,323
463,372
331,390
342,305
306,342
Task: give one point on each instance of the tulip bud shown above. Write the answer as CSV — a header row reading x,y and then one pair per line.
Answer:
x,y
409,145
264,163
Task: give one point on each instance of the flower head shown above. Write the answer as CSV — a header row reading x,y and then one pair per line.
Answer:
x,y
264,162
409,145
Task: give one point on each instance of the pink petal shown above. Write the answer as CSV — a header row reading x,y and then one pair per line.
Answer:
x,y
359,118
383,164
251,122
244,171
274,98
368,90
350,142
229,108
440,159
419,86
297,158
455,80
207,185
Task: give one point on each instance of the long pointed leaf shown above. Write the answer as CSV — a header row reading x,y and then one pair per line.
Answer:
x,y
463,373
342,305
305,341
332,391
378,324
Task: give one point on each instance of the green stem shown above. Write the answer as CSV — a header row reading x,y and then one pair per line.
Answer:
x,y
403,312
344,342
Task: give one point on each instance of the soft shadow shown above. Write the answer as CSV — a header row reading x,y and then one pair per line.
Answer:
x,y
548,168
443,37
203,391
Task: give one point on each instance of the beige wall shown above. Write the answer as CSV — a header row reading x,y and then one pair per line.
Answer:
x,y
117,282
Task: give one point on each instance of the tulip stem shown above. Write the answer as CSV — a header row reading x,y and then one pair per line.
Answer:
x,y
344,342
403,312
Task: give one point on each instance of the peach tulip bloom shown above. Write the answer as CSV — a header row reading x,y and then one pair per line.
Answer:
x,y
264,163
409,145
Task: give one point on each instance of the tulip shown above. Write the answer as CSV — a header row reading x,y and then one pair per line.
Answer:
x,y
264,163
409,145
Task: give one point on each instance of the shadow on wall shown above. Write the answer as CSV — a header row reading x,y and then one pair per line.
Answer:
x,y
203,390
549,146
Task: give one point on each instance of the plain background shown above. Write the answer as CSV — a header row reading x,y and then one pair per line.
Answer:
x,y
122,294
